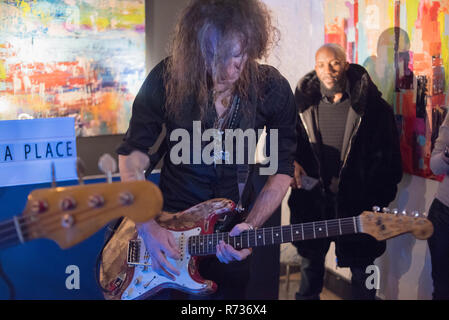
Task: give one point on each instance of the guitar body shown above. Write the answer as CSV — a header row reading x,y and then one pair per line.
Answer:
x,y
138,281
126,270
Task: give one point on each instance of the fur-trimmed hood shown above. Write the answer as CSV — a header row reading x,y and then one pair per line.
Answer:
x,y
361,87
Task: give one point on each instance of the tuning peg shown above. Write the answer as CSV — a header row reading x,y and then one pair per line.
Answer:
x,y
395,212
68,203
53,175
138,162
386,210
126,198
39,206
424,214
96,201
80,170
67,221
404,213
108,165
416,214
376,209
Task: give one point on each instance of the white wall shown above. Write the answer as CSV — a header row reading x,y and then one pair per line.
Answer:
x,y
161,18
301,23
405,267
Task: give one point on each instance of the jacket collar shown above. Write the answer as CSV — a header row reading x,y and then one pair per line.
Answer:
x,y
361,89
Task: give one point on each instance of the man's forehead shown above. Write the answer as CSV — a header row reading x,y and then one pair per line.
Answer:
x,y
330,53
325,54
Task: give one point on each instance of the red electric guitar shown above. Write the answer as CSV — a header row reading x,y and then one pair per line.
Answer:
x,y
126,266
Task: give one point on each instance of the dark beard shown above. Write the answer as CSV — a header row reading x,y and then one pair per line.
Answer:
x,y
339,87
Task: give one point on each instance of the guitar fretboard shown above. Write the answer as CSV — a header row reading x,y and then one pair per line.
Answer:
x,y
204,245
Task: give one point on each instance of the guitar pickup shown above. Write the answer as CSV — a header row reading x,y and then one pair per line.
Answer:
x,y
133,252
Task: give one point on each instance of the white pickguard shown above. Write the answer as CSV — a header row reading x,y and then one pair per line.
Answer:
x,y
146,279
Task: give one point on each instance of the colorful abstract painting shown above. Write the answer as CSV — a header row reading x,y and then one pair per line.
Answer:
x,y
404,46
78,58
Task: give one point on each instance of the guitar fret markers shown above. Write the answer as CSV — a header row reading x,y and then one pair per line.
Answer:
x,y
206,244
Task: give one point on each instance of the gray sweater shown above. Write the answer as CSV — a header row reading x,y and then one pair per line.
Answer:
x,y
439,163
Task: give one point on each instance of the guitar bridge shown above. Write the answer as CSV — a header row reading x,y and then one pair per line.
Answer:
x,y
133,253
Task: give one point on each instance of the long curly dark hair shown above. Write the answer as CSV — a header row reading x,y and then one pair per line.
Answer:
x,y
202,46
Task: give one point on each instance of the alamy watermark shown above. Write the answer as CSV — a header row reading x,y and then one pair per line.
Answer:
x,y
373,280
220,148
72,282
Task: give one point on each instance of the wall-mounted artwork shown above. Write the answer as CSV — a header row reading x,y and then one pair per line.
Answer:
x,y
405,47
79,58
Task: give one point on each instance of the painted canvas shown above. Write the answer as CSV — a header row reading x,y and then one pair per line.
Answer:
x,y
78,58
404,46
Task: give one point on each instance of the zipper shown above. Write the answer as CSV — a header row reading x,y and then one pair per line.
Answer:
x,y
346,158
347,152
301,116
350,146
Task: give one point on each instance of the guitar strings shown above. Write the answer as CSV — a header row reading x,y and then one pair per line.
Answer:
x,y
48,224
343,223
26,220
251,235
9,226
27,233
49,220
22,220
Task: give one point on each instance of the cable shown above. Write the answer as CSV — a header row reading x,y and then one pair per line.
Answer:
x,y
12,291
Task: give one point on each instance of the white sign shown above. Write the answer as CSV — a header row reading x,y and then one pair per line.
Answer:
x,y
29,147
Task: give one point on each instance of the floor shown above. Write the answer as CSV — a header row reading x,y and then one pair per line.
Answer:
x,y
293,285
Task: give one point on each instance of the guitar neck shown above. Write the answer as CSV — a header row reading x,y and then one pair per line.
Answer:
x,y
11,233
204,245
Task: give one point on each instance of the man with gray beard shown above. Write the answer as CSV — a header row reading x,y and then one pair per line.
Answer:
x,y
348,140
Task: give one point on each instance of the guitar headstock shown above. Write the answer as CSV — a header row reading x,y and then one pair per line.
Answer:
x,y
71,215
391,223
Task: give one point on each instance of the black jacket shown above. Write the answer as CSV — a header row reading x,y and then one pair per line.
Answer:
x,y
371,163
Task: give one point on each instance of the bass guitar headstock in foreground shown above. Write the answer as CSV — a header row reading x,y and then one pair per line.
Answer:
x,y
69,215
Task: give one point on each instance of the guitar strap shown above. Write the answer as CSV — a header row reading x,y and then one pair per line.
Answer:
x,y
238,118
248,121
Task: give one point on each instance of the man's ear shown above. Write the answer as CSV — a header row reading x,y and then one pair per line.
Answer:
x,y
346,66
